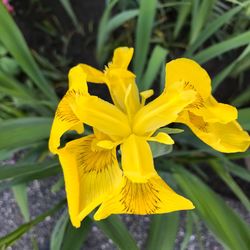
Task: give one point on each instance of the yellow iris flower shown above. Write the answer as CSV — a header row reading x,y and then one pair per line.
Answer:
x,y
92,173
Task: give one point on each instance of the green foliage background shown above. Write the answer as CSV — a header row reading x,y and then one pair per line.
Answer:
x,y
209,31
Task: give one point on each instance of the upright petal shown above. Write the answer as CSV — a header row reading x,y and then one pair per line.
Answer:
x,y
90,174
163,110
190,72
102,115
198,80
224,137
119,79
93,75
121,58
65,119
153,196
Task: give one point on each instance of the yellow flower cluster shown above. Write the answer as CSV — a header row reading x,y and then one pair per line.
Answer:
x,y
92,173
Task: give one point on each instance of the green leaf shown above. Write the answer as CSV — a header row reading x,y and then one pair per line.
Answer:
x,y
242,98
226,177
119,19
169,131
9,65
35,175
188,231
58,185
228,70
159,149
227,226
16,234
143,34
14,42
199,18
102,34
23,131
21,197
23,169
183,12
3,51
75,237
238,171
68,8
157,59
107,26
163,231
244,120
211,28
114,228
8,83
222,47
58,231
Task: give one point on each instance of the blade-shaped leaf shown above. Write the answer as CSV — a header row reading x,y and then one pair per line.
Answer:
x,y
157,58
228,70
162,232
226,225
21,197
23,169
244,120
23,131
199,18
114,228
102,34
14,41
75,237
183,12
143,33
68,8
58,231
211,28
222,47
230,182
16,234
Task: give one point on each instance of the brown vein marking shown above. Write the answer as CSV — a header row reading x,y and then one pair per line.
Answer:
x,y
94,161
140,198
64,112
199,102
198,122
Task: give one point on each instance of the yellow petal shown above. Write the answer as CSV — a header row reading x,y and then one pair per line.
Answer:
x,y
102,115
137,159
119,79
145,95
151,197
121,58
224,137
162,110
107,144
213,111
93,75
162,138
65,119
78,79
194,76
89,176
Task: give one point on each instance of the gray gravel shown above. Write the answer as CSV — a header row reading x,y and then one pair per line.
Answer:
x,y
41,199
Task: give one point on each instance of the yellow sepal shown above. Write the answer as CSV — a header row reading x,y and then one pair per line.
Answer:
x,y
89,176
224,137
153,196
